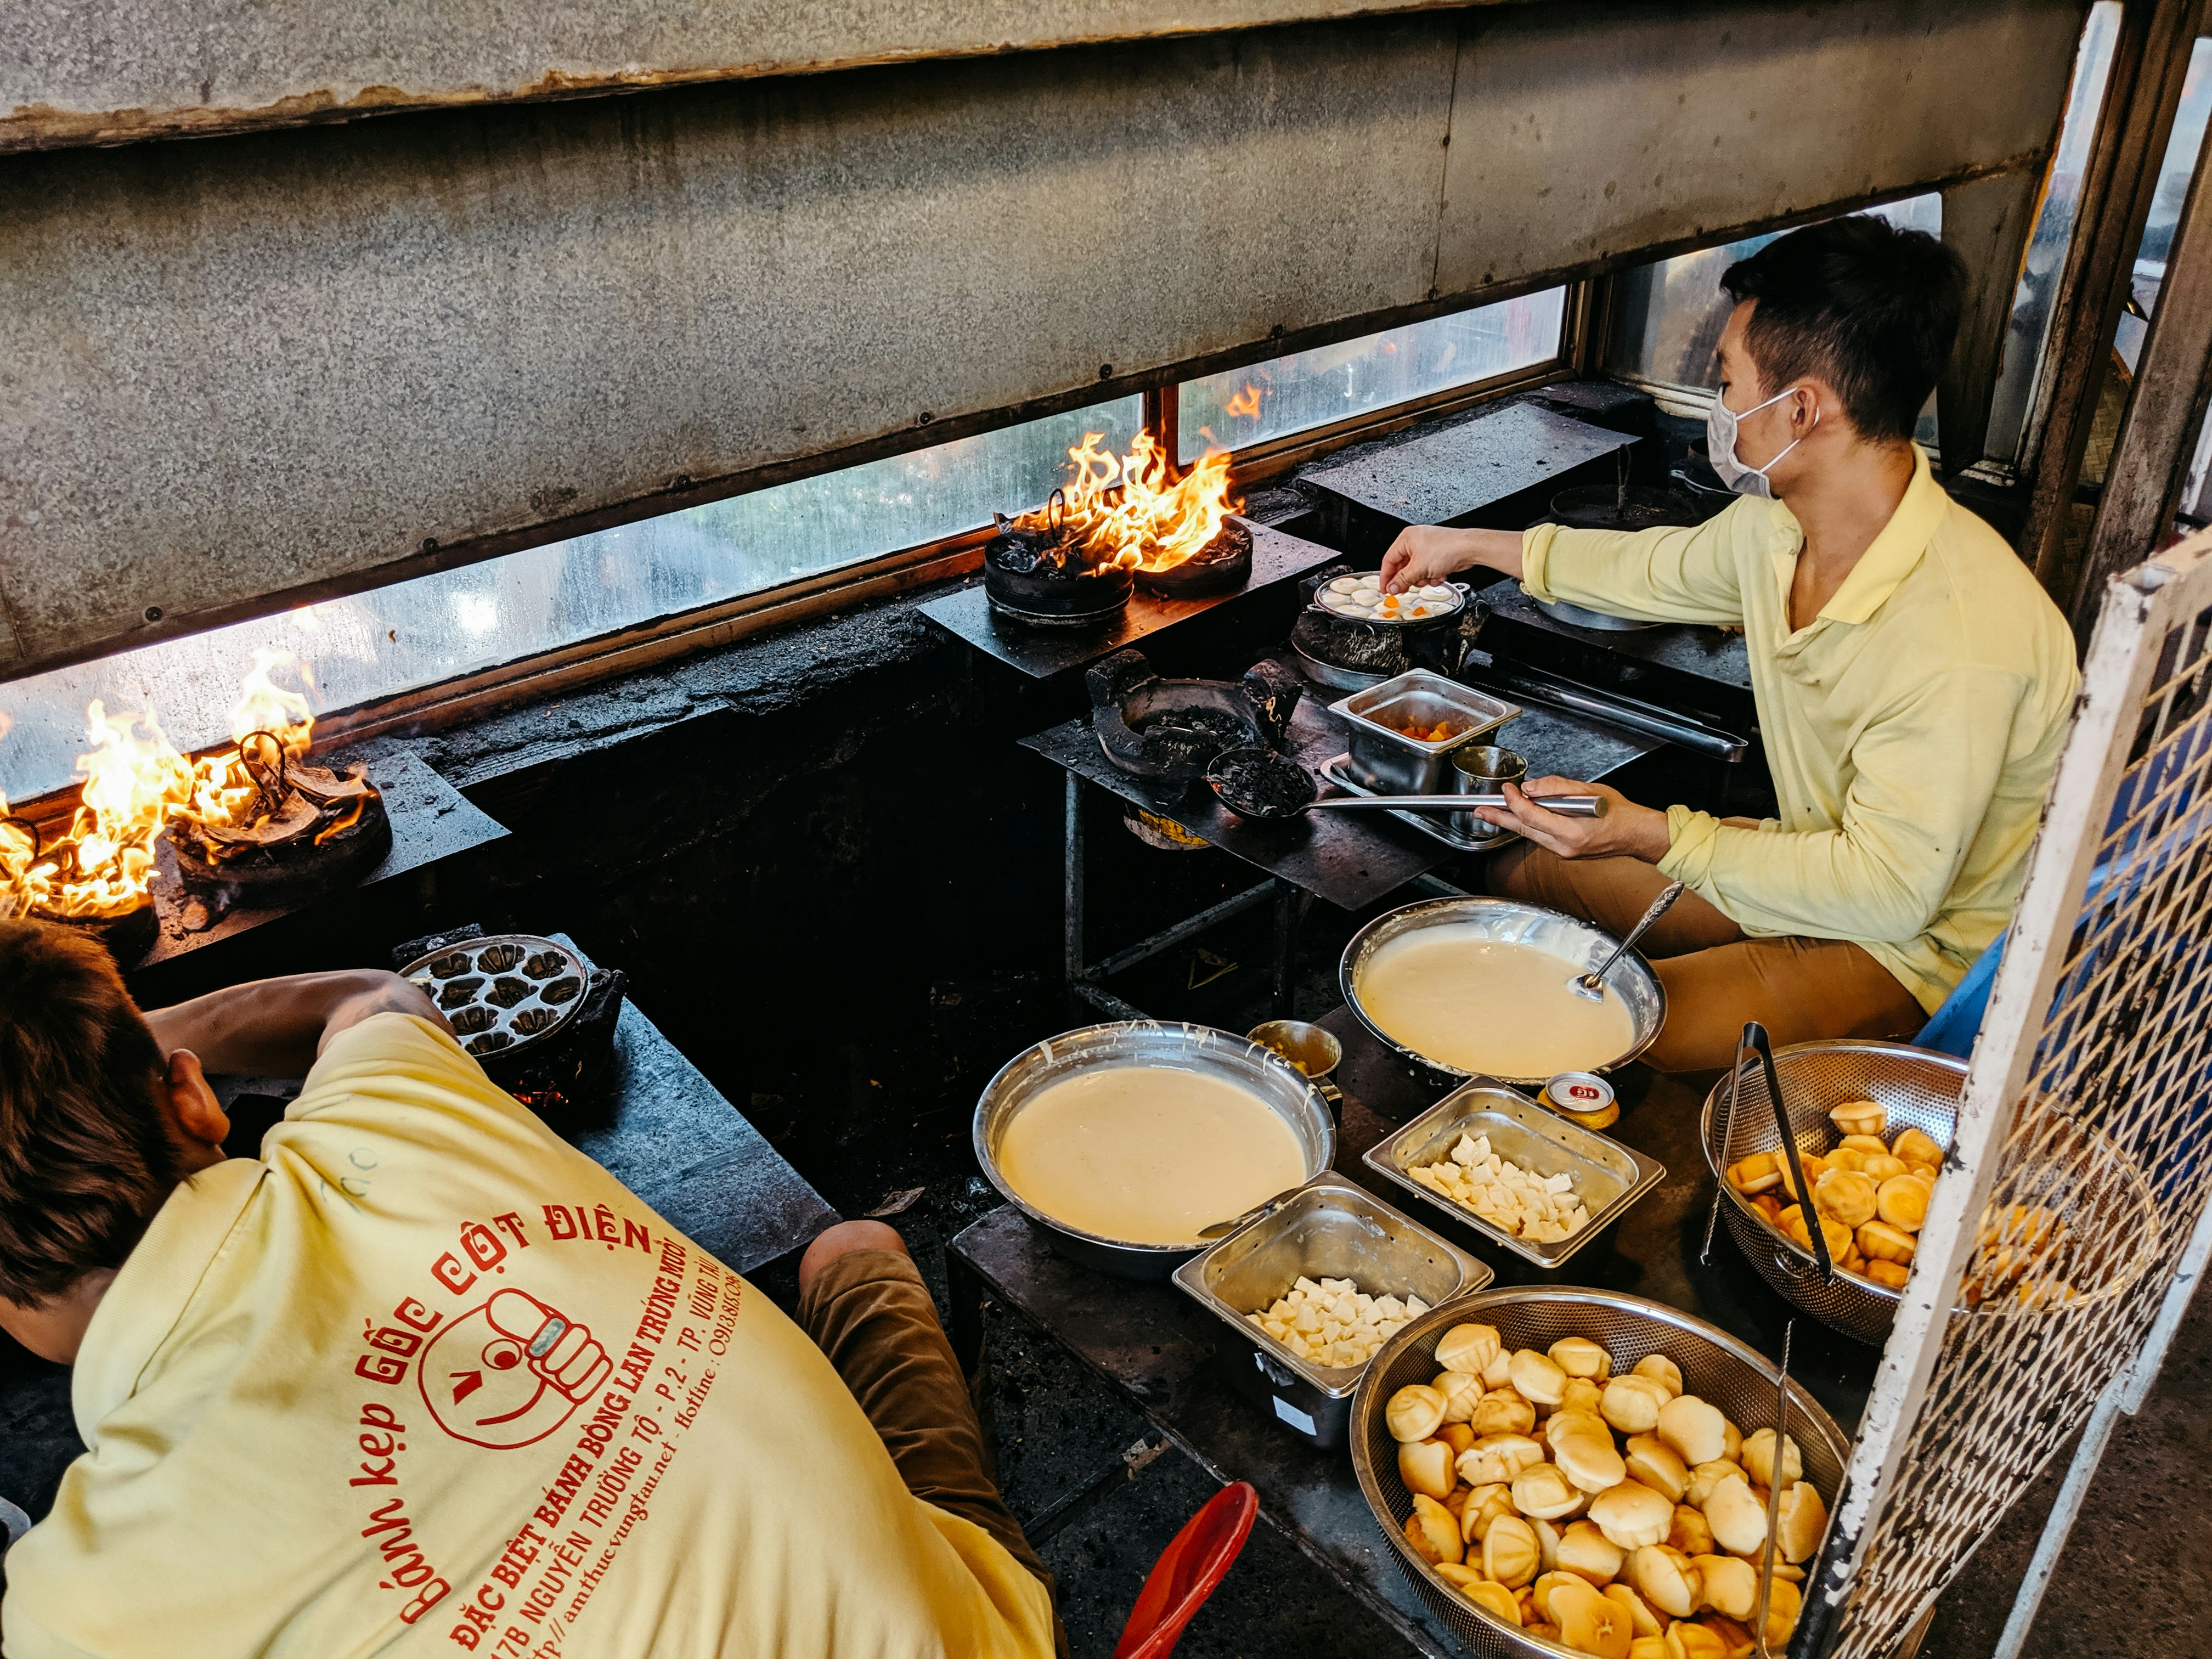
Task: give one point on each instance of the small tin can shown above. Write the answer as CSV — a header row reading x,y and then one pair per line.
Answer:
x,y
1582,1096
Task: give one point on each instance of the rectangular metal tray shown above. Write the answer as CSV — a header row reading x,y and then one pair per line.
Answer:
x,y
1336,769
1608,1176
1330,1228
1392,763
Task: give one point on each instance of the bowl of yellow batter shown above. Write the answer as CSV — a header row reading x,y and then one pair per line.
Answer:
x,y
1125,1141
1478,987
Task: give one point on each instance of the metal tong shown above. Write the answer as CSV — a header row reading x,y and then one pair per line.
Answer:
x,y
1754,1037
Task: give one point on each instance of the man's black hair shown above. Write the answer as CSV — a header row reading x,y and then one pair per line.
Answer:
x,y
1870,309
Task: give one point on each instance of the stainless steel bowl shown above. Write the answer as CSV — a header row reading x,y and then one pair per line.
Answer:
x,y
1329,1229
1579,615
2105,1196
1144,1042
1576,944
1714,1367
1389,761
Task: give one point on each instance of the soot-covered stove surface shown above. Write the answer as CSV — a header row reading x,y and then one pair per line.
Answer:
x,y
1041,653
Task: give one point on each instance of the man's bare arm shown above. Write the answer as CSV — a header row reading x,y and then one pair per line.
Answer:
x,y
276,1027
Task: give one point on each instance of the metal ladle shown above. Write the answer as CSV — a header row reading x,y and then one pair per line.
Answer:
x,y
1248,806
1592,984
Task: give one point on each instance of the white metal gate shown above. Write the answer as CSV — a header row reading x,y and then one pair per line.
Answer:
x,y
2088,1105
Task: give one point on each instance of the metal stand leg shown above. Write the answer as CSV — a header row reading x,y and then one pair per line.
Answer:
x,y
1072,896
1287,947
2125,1394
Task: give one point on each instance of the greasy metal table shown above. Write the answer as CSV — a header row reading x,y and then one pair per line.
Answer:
x,y
1350,859
1156,1345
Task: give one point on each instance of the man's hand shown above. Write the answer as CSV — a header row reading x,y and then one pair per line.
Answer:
x,y
1640,832
1426,553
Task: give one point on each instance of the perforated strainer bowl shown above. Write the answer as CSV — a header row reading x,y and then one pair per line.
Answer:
x,y
2078,1172
1714,1367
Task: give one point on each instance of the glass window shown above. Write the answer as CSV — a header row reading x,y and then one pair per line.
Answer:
x,y
2175,170
417,633
1243,407
2027,335
1668,317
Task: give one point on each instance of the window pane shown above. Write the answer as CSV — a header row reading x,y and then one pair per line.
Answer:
x,y
2174,172
1668,317
1248,406
417,633
2025,337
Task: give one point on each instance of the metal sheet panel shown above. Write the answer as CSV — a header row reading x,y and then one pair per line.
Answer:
x,y
1582,134
235,368
109,72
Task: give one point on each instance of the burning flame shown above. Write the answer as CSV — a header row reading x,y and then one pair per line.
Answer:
x,y
1245,404
1131,513
135,781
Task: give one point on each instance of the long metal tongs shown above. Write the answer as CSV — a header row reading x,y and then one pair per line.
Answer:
x,y
1774,1491
1755,1036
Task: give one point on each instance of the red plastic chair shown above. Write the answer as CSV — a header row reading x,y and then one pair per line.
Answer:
x,y
1188,1570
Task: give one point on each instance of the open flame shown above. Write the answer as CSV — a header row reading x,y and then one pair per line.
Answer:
x,y
134,783
1131,512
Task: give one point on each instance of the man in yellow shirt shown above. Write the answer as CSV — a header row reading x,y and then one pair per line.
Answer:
x,y
1913,682
423,1378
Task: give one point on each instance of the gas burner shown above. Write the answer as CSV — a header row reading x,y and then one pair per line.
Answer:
x,y
305,830
1170,729
1223,565
1039,576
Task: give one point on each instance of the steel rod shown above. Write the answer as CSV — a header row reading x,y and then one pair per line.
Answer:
x,y
1072,896
1168,938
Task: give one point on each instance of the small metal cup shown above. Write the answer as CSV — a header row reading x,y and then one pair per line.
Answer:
x,y
1483,770
1312,1050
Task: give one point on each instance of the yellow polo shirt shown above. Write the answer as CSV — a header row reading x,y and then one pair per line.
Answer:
x,y
423,1379
1912,728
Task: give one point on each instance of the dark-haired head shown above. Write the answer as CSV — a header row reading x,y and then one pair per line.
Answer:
x,y
1870,309
85,1156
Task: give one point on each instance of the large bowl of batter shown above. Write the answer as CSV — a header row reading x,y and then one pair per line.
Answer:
x,y
1477,987
1124,1141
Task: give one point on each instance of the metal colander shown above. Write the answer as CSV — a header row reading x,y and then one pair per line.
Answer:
x,y
1714,1367
1919,1089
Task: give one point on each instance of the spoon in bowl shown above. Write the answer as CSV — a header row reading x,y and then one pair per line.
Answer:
x,y
1592,984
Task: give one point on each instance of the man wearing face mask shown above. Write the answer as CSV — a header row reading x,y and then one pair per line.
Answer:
x,y
1913,682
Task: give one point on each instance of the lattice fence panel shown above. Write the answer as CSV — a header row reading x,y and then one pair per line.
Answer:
x,y
2087,1168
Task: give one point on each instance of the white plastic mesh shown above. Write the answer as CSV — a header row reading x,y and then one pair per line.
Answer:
x,y
2113,1136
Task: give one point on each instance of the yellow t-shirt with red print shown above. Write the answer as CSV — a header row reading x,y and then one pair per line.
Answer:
x,y
424,1379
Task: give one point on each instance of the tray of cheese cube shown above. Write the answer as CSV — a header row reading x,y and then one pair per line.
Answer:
x,y
1308,1293
1511,1172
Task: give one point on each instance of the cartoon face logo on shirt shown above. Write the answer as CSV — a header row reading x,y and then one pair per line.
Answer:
x,y
509,1372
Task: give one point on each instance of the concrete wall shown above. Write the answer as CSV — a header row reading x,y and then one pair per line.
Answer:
x,y
243,370
110,71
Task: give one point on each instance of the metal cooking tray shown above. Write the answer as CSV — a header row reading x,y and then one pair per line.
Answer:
x,y
502,991
1608,1176
1337,769
1327,1228
1395,764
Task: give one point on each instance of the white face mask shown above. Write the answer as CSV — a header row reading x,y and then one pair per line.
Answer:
x,y
1721,424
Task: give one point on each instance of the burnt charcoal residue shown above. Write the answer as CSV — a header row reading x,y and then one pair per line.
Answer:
x,y
1196,727
1368,650
1032,552
1258,783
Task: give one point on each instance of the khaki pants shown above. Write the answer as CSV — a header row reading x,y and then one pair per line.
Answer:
x,y
1800,989
870,1312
